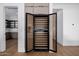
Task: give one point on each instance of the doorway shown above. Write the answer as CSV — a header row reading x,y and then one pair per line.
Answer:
x,y
11,30
38,32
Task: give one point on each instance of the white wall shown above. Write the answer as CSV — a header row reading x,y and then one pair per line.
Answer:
x,y
21,26
59,25
70,16
2,29
50,8
11,13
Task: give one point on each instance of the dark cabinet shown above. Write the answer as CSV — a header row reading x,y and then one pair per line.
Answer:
x,y
11,35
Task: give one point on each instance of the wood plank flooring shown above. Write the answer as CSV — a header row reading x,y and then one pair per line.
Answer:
x,y
61,51
66,51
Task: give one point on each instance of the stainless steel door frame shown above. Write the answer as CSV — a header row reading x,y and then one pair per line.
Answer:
x,y
53,17
29,32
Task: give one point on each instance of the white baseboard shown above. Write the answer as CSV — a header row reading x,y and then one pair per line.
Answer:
x,y
2,50
60,44
70,44
21,51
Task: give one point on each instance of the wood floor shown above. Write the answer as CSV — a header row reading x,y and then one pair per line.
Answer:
x,y
66,51
61,51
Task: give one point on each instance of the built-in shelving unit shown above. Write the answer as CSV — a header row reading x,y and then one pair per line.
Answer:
x,y
11,23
